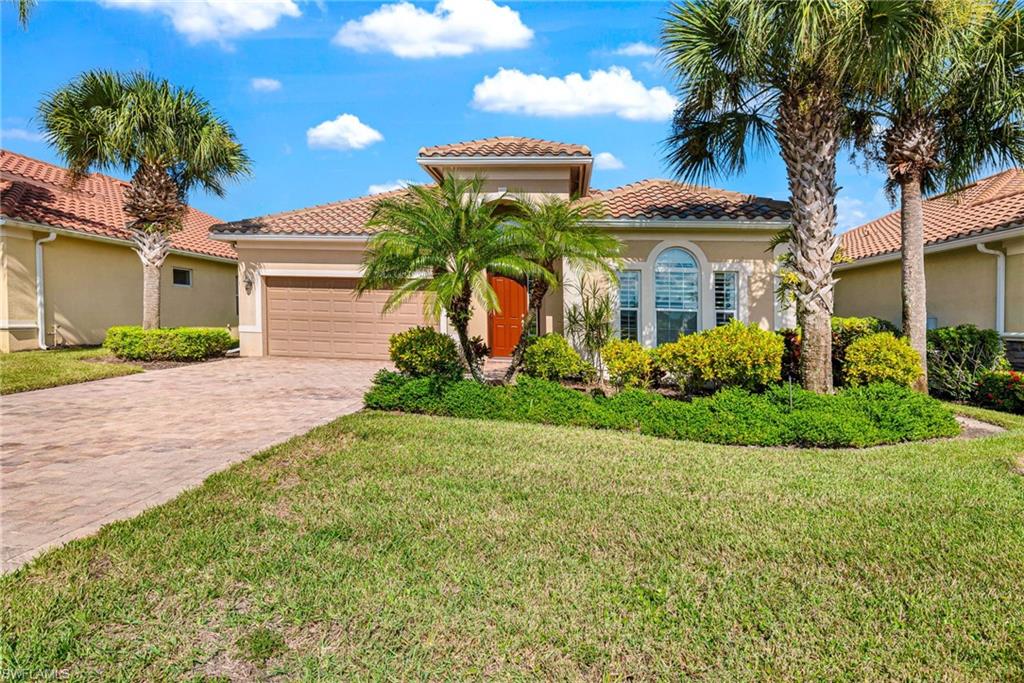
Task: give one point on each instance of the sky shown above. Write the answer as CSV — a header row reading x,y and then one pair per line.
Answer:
x,y
333,100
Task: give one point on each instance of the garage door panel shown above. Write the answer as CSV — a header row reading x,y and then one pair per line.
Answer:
x,y
322,317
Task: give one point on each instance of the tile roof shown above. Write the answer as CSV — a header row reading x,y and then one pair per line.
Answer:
x,y
987,205
667,199
38,192
506,147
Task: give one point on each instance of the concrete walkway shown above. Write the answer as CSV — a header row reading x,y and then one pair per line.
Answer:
x,y
74,458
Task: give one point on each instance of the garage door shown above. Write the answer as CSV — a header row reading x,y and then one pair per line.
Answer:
x,y
321,317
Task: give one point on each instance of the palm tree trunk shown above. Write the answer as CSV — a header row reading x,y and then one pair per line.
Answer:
x,y
459,315
915,308
152,248
538,290
808,138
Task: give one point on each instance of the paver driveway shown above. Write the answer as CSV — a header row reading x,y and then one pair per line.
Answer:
x,y
74,458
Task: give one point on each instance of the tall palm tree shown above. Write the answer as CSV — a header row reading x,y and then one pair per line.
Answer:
x,y
442,241
557,230
168,138
757,72
938,115
25,8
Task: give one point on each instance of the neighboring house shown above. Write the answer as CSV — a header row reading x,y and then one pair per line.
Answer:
x,y
68,271
974,261
695,257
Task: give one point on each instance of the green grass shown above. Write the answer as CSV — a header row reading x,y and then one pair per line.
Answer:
x,y
402,546
27,370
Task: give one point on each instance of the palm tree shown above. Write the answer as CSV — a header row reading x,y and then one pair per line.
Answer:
x,y
554,231
25,8
940,114
442,241
168,138
754,72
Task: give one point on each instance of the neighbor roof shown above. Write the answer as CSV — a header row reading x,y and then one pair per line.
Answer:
x,y
647,199
506,146
990,204
37,192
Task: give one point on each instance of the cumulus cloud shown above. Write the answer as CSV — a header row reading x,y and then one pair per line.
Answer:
x,y
852,212
346,132
606,161
21,134
216,20
388,186
636,50
452,29
612,91
265,84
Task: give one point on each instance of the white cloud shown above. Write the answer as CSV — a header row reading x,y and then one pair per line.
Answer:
x,y
217,20
606,161
636,50
850,212
342,133
453,28
388,186
265,84
21,134
611,91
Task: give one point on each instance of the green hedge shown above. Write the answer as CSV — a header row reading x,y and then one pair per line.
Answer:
x,y
552,357
959,357
425,352
863,416
173,343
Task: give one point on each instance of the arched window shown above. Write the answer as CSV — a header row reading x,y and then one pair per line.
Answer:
x,y
676,294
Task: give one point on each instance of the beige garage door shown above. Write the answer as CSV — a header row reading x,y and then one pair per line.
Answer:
x,y
321,317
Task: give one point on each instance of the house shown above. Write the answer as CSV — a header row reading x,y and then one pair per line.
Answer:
x,y
974,261
695,257
68,270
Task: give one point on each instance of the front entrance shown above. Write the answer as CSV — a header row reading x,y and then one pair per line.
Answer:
x,y
506,325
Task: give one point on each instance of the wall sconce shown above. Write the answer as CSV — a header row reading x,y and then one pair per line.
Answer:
x,y
249,280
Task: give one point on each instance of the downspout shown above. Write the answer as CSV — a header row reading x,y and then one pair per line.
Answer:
x,y
1000,286
40,292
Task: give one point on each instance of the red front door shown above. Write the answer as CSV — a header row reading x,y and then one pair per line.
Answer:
x,y
506,325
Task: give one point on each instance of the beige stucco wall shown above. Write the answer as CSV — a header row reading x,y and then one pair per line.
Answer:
x,y
530,180
961,288
17,289
91,285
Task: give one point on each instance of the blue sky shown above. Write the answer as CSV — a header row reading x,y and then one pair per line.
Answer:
x,y
347,92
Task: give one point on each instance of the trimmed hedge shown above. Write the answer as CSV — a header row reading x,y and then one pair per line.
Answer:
x,y
425,352
881,357
552,357
733,355
858,417
628,363
845,331
129,342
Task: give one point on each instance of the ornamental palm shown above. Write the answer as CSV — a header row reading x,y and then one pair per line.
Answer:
x,y
754,72
442,241
938,115
554,231
168,138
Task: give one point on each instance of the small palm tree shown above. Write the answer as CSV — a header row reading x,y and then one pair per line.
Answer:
x,y
554,231
442,241
937,115
168,138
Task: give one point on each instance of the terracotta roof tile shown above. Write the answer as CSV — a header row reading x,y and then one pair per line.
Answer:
x,y
506,147
38,192
990,204
666,199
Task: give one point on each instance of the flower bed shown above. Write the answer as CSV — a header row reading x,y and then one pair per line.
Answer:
x,y
783,415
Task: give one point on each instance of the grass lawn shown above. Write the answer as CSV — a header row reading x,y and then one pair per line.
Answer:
x,y
401,546
27,370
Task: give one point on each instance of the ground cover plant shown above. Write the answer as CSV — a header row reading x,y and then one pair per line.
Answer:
x,y
783,415
387,546
28,370
168,343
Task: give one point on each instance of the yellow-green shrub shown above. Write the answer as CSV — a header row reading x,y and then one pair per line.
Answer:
x,y
628,363
881,357
552,357
733,355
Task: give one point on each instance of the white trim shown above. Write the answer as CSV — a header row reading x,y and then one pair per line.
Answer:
x,y
705,280
18,324
742,270
41,290
245,329
295,237
353,271
1000,286
936,248
506,160
656,223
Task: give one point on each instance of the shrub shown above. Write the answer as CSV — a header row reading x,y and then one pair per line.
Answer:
x,y
791,355
552,357
881,357
425,352
1001,391
845,331
733,355
628,363
958,357
129,342
863,416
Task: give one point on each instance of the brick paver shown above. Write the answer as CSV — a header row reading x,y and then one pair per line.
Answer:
x,y
77,457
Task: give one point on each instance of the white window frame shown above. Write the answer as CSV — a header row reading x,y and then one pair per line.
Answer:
x,y
735,310
187,270
696,272
638,308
